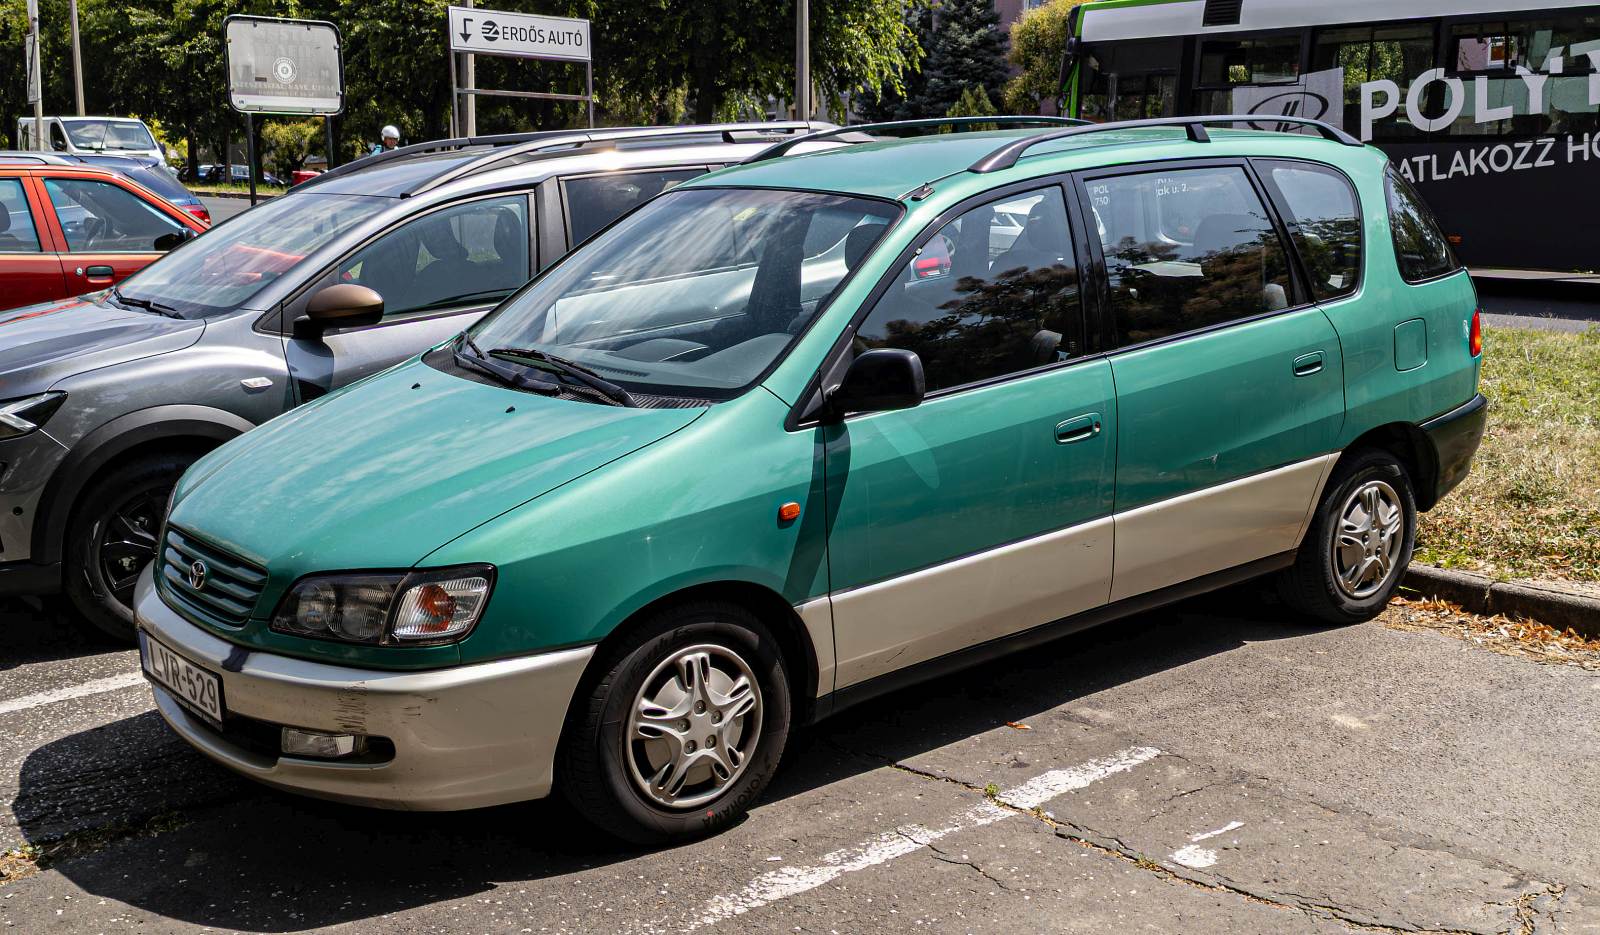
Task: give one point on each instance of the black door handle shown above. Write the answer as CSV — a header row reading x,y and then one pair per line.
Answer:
x,y
95,272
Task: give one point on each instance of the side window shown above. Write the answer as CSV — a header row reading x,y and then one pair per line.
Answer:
x,y
1186,249
596,201
1419,245
995,291
58,138
16,221
99,217
468,254
1325,221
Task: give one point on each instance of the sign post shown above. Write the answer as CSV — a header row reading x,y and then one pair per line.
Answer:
x,y
35,78
517,35
283,66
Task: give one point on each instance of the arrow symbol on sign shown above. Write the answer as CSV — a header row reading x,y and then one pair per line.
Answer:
x,y
465,32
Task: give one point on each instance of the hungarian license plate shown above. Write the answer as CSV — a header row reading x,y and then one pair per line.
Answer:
x,y
194,687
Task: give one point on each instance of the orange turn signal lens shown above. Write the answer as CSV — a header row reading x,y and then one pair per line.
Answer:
x,y
789,512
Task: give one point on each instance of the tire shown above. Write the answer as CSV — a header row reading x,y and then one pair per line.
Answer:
x,y
112,536
607,769
1313,585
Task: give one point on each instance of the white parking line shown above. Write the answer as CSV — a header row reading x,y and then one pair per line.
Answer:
x,y
792,881
96,687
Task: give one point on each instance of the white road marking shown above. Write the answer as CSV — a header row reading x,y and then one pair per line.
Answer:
x,y
96,687
1199,858
792,881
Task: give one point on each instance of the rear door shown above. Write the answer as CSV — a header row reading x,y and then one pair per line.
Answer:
x,y
110,231
1229,382
438,273
30,270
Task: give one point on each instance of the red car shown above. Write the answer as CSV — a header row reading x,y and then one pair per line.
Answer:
x,y
68,230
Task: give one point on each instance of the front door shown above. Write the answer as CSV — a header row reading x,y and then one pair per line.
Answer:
x,y
1230,385
984,511
111,233
438,274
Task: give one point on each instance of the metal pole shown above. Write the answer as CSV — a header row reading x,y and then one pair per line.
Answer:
x,y
327,125
77,61
250,153
802,70
38,64
588,89
471,82
455,98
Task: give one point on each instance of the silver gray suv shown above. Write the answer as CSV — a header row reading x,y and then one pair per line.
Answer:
x,y
107,398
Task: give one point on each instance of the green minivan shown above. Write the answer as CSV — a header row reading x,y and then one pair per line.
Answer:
x,y
856,413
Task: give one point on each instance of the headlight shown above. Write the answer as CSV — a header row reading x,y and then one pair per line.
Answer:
x,y
18,417
420,608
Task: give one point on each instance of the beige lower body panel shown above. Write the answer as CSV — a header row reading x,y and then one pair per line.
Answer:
x,y
1215,529
893,624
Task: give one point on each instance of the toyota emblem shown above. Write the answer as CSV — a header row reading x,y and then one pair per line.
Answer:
x,y
197,575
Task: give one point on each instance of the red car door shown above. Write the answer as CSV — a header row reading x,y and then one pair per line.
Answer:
x,y
30,269
111,228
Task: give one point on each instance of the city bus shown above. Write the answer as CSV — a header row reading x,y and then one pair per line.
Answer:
x,y
1489,107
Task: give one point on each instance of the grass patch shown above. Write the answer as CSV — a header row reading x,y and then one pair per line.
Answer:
x,y
1531,506
232,188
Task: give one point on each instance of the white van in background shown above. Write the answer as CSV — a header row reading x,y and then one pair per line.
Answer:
x,y
120,136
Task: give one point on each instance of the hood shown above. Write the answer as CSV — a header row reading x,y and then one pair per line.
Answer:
x,y
388,470
43,343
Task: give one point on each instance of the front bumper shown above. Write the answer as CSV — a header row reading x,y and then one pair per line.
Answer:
x,y
463,737
26,466
1455,437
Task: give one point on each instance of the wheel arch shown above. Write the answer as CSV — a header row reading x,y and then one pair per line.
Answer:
x,y
160,428
1412,448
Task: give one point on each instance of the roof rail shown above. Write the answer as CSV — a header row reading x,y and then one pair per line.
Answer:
x,y
1002,121
428,148
1006,156
573,139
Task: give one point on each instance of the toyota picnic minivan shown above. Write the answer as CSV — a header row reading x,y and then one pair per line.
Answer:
x,y
806,429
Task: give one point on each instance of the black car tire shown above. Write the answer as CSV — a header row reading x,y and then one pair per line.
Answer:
x,y
1311,585
110,510
593,768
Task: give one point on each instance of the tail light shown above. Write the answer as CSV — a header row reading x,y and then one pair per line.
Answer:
x,y
199,211
1475,334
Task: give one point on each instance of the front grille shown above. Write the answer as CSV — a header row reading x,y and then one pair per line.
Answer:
x,y
228,593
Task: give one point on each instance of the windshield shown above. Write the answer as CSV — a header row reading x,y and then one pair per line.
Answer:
x,y
109,134
222,270
698,292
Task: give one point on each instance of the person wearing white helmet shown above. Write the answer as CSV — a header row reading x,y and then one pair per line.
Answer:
x,y
391,139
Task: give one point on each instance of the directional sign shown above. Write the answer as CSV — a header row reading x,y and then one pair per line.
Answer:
x,y
488,32
284,66
31,50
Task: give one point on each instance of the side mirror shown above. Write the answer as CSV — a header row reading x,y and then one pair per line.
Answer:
x,y
342,305
170,241
878,381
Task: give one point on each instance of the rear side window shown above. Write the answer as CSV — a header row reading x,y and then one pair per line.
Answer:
x,y
1419,245
1186,249
1325,222
994,292
594,202
16,221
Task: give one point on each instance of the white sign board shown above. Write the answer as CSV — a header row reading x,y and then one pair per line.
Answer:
x,y
284,66
32,51
488,32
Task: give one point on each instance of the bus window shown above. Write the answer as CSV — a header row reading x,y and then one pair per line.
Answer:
x,y
1365,53
1229,63
1131,80
1186,249
1320,208
1498,54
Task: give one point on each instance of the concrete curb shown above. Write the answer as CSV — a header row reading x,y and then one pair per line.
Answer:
x,y
245,196
1484,595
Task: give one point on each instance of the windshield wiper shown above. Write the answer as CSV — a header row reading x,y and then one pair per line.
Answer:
x,y
574,370
517,379
149,305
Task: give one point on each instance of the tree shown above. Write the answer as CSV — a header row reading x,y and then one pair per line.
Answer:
x,y
287,143
903,100
1038,43
968,51
974,102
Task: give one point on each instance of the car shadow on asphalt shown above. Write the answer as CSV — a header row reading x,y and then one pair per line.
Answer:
x,y
193,843
31,633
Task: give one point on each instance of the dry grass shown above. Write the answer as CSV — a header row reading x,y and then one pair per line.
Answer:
x,y
1531,507
1522,638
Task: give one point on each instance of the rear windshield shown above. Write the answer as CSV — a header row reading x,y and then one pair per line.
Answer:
x,y
220,271
1419,246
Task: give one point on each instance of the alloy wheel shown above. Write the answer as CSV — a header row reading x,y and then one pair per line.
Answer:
x,y
125,541
693,726
1368,539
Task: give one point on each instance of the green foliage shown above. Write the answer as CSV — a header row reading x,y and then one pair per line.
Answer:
x,y
965,49
1038,41
287,143
903,100
974,102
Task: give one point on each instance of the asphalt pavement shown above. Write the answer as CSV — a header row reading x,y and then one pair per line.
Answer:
x,y
1210,768
223,208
